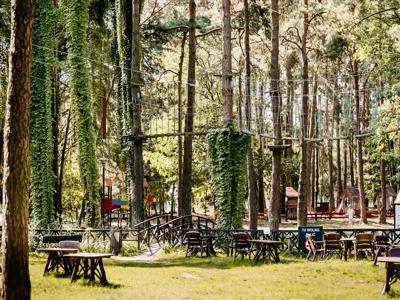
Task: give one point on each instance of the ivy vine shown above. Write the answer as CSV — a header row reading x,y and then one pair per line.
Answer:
x,y
41,179
227,151
77,18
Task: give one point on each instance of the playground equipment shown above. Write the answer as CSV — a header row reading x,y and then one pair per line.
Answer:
x,y
112,209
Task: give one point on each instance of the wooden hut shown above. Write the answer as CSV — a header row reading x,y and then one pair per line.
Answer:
x,y
349,197
390,197
291,199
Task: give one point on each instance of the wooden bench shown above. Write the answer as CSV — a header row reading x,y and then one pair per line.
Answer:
x,y
56,239
61,245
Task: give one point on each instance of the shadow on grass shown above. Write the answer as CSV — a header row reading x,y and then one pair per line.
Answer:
x,y
198,262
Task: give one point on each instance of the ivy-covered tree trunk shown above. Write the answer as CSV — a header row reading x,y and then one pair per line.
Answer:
x,y
15,283
41,179
136,78
77,14
191,94
227,150
251,177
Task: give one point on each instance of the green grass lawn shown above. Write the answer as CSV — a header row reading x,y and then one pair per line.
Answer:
x,y
175,277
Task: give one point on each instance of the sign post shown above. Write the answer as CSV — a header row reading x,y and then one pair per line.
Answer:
x,y
315,231
397,217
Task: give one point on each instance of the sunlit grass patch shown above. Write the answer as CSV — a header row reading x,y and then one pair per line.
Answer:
x,y
172,276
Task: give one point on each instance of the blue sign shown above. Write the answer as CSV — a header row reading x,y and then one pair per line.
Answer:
x,y
317,233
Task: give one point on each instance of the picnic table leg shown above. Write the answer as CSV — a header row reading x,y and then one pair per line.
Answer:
x,y
276,252
265,253
345,250
85,268
92,271
386,287
103,279
376,254
48,264
74,276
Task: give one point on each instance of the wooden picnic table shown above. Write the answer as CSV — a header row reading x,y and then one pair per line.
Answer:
x,y
89,266
392,271
379,250
347,246
56,259
266,249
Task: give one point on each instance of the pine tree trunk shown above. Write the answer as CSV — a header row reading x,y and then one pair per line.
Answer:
x,y
191,94
138,209
344,167
180,146
251,178
274,207
338,152
351,158
302,203
227,91
331,179
382,213
15,283
360,162
310,150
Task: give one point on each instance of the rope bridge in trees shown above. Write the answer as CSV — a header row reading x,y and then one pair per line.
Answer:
x,y
161,114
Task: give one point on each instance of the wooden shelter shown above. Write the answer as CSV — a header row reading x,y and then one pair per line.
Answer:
x,y
390,197
349,197
291,199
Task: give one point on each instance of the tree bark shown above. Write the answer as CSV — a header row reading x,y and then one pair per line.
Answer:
x,y
310,150
251,178
338,152
180,146
351,158
191,94
227,91
62,160
138,210
360,162
382,213
330,161
55,109
15,283
302,203
274,206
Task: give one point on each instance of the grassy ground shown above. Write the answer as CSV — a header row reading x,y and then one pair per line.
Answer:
x,y
172,276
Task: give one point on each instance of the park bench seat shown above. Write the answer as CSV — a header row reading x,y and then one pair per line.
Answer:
x,y
56,239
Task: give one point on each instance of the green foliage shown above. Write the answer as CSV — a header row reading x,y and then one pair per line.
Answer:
x,y
335,47
41,179
227,150
77,17
72,190
129,249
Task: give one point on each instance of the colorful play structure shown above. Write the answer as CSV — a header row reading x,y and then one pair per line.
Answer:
x,y
112,210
